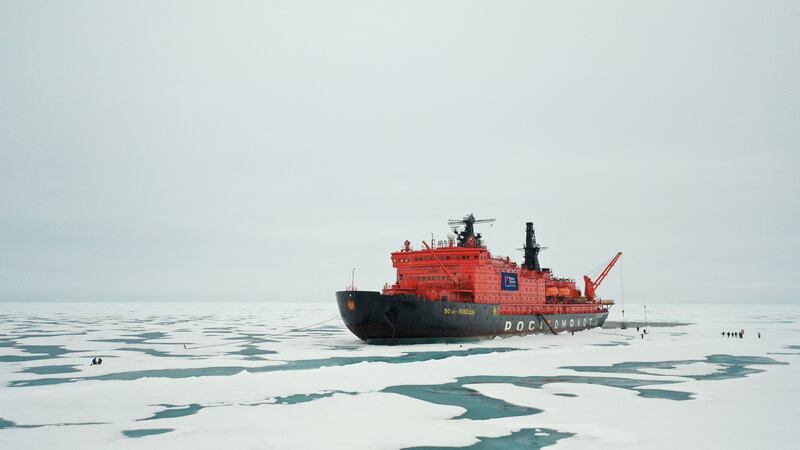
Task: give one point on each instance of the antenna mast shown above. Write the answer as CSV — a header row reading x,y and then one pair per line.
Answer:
x,y
468,238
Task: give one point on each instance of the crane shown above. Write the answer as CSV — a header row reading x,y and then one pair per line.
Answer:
x,y
591,286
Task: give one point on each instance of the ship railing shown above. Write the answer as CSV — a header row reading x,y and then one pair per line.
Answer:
x,y
350,288
545,309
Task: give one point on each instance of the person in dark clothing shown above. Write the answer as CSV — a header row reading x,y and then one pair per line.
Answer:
x,y
759,335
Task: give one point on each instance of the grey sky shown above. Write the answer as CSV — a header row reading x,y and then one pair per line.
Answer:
x,y
257,150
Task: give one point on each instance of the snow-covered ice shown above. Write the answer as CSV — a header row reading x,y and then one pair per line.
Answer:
x,y
258,376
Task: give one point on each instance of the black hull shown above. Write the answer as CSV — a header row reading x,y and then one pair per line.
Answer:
x,y
378,318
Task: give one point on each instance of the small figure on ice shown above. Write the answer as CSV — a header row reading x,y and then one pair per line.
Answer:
x,y
96,361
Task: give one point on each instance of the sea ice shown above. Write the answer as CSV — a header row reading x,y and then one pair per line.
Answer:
x,y
255,376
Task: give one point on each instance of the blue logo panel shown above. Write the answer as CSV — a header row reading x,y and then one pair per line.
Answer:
x,y
509,281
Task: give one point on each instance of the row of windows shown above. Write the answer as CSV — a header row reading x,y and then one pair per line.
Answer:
x,y
431,258
432,278
426,269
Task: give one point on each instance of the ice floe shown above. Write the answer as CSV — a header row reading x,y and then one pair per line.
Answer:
x,y
256,376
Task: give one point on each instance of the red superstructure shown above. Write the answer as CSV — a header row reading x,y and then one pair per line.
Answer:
x,y
464,271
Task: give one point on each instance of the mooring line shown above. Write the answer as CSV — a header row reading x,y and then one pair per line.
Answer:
x,y
266,336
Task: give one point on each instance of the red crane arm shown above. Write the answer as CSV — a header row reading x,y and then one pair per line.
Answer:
x,y
606,270
591,286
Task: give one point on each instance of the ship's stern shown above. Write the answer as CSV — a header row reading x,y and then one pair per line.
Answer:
x,y
358,311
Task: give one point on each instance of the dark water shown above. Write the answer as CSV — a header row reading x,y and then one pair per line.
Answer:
x,y
525,439
251,350
156,353
303,398
172,411
38,352
146,432
289,365
140,338
477,405
732,366
11,424
50,370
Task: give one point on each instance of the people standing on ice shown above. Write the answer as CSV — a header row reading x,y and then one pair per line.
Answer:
x,y
96,361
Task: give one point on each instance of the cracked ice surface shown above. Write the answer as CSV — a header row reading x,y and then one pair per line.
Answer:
x,y
252,376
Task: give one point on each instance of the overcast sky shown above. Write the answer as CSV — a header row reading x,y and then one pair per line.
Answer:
x,y
259,150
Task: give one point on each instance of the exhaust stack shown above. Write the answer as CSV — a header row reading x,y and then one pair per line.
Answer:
x,y
531,249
